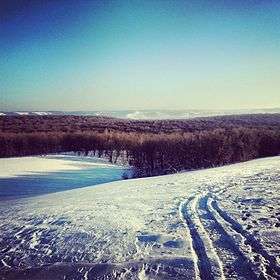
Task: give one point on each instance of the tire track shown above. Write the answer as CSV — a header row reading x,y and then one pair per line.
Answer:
x,y
206,261
216,254
269,262
236,264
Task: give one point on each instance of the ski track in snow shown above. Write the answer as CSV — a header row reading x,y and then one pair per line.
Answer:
x,y
220,223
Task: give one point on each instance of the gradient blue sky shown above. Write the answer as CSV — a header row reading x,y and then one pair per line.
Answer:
x,y
110,55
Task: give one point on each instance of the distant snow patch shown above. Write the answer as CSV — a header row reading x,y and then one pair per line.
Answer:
x,y
22,113
42,113
136,115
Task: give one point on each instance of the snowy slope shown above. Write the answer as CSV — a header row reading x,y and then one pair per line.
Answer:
x,y
220,223
11,167
32,176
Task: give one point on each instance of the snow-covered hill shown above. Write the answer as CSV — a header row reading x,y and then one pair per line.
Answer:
x,y
220,223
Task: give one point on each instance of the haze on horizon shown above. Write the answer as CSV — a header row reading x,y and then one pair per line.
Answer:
x,y
116,55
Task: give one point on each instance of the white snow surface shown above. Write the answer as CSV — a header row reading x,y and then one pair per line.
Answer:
x,y
42,113
220,223
22,113
12,167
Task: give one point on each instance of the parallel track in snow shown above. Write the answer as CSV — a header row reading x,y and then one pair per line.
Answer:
x,y
270,269
207,266
216,253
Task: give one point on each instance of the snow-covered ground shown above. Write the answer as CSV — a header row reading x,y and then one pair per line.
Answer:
x,y
220,223
11,167
30,176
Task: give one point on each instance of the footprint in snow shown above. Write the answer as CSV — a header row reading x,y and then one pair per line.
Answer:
x,y
173,243
148,238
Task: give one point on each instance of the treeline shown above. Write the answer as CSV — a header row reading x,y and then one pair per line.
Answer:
x,y
83,124
152,153
162,154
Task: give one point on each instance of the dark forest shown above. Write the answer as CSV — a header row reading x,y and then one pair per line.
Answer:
x,y
150,147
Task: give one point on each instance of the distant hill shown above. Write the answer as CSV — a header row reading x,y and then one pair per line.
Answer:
x,y
146,114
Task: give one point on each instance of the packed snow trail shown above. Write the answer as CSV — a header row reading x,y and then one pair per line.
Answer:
x,y
220,223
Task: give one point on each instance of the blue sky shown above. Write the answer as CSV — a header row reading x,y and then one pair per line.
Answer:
x,y
110,55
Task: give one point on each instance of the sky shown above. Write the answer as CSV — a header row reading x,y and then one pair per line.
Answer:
x,y
118,55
